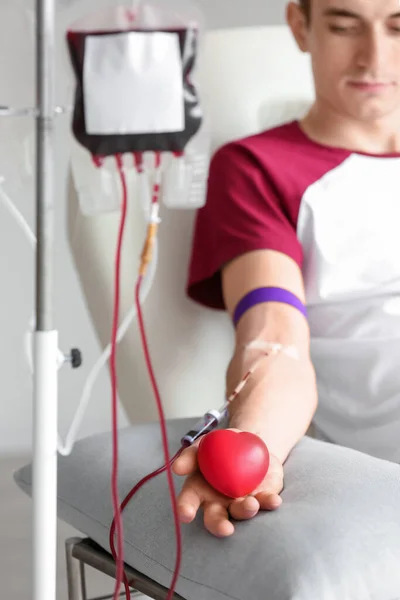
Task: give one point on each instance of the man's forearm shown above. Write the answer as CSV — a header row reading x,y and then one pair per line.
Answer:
x,y
278,402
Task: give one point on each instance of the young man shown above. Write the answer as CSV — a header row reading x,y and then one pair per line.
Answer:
x,y
312,207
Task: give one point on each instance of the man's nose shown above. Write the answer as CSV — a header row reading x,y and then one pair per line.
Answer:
x,y
372,51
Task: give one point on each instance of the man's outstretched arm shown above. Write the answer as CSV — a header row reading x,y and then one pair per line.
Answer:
x,y
278,402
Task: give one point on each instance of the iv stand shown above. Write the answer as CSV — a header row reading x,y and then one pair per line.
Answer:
x,y
45,399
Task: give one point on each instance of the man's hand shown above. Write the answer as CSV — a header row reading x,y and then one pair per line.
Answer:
x,y
218,509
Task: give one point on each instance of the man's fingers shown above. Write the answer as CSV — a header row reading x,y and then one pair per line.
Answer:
x,y
269,501
188,503
186,463
268,496
244,508
216,520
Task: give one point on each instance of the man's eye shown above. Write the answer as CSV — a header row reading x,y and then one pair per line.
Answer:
x,y
342,29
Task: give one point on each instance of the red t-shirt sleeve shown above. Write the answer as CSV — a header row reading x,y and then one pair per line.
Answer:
x,y
245,211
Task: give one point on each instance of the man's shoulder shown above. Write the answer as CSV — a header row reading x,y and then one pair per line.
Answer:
x,y
283,152
285,136
267,143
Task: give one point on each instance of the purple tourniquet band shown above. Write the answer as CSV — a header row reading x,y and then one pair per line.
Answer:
x,y
267,294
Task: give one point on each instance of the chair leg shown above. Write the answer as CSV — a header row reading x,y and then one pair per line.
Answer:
x,y
75,572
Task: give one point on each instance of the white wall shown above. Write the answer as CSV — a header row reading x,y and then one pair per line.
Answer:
x,y
16,258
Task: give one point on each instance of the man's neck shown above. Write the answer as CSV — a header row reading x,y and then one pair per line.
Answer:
x,y
332,129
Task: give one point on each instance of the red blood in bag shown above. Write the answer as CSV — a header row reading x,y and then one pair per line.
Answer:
x,y
233,463
118,143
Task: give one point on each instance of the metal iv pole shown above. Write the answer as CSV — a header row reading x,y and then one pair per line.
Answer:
x,y
45,400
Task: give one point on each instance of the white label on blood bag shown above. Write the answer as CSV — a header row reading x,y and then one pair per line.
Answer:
x,y
133,83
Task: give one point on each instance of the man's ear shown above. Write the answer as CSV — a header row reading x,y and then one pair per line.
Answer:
x,y
296,19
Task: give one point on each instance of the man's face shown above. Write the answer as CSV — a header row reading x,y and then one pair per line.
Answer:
x,y
355,51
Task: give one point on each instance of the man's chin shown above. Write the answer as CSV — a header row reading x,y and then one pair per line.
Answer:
x,y
370,114
371,111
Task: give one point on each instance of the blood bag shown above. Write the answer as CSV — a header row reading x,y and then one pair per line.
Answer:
x,y
136,95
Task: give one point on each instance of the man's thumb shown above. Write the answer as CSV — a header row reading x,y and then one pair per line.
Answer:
x,y
186,463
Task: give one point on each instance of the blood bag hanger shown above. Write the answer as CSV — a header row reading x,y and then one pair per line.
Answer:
x,y
8,111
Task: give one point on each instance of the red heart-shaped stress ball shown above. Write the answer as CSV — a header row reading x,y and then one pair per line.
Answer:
x,y
234,463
